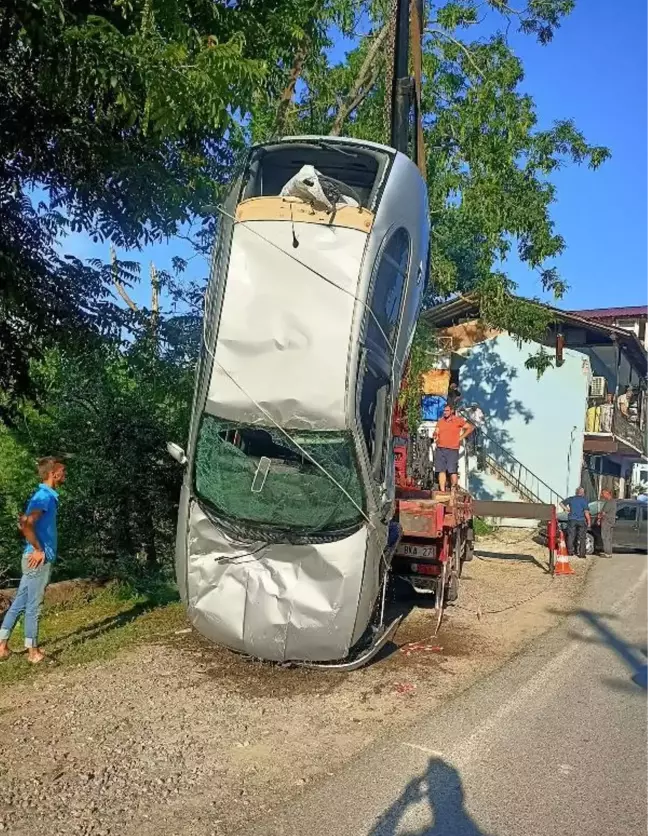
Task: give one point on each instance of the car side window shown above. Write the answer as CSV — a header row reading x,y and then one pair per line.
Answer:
x,y
386,296
388,290
627,513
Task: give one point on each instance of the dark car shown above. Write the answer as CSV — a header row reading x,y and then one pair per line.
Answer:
x,y
630,529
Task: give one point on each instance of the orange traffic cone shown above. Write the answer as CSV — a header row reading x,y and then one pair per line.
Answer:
x,y
563,566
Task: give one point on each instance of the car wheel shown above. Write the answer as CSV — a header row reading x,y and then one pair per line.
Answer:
x,y
589,543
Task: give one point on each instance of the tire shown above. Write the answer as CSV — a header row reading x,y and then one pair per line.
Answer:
x,y
458,550
452,589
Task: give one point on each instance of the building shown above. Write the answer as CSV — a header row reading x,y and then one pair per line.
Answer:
x,y
544,436
633,319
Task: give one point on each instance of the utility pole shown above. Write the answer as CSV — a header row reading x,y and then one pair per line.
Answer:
x,y
401,89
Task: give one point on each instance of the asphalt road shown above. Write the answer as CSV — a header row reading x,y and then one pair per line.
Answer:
x,y
553,744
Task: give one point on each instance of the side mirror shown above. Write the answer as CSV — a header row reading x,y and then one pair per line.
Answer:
x,y
176,452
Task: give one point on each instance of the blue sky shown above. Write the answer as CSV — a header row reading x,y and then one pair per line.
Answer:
x,y
594,71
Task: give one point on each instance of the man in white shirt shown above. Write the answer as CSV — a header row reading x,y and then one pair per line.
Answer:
x,y
623,402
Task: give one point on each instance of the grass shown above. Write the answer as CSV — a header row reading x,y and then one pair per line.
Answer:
x,y
482,528
97,626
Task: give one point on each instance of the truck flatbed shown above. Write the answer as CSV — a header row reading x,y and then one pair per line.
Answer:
x,y
429,513
436,539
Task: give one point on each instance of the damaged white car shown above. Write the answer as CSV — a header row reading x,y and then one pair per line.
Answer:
x,y
316,284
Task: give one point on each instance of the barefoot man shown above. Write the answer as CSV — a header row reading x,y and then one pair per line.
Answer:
x,y
38,526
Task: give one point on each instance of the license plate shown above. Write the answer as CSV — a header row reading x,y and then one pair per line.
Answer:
x,y
411,550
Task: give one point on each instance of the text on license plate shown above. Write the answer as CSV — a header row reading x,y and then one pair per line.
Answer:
x,y
410,550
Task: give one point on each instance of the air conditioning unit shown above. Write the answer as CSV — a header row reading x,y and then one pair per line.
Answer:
x,y
597,387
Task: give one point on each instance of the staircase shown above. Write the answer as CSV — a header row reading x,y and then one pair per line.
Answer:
x,y
494,459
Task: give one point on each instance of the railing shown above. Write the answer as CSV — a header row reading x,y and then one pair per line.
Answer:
x,y
492,456
608,419
628,431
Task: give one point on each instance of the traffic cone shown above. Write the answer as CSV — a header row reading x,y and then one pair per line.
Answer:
x,y
563,566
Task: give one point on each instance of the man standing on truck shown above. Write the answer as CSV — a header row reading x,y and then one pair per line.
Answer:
x,y
38,526
606,518
450,431
578,521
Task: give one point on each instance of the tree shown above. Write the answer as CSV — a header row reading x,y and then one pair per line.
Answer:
x,y
127,117
110,409
111,413
488,165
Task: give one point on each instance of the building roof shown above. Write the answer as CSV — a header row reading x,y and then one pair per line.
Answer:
x,y
458,309
632,312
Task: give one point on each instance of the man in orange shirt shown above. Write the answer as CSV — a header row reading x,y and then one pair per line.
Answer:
x,y
449,433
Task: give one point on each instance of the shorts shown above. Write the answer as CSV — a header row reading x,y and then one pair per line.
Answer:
x,y
446,460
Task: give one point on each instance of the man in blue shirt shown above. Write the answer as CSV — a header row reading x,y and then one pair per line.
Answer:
x,y
578,521
38,526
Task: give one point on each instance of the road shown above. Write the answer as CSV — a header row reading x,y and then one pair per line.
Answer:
x,y
553,743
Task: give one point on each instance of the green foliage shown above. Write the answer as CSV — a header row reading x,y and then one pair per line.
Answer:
x,y
17,480
112,414
94,627
488,164
126,114
481,527
540,362
130,117
422,354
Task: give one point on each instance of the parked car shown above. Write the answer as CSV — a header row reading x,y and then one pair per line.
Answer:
x,y
630,528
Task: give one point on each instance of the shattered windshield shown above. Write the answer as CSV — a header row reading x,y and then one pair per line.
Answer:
x,y
257,475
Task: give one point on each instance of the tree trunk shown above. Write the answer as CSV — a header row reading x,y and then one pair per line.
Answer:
x,y
364,82
286,97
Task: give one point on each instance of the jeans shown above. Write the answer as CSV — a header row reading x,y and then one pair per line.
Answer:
x,y
28,600
576,530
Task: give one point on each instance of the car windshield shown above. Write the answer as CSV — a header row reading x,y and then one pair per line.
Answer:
x,y
257,475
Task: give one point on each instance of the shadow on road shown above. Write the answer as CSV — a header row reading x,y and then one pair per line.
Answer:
x,y
626,651
437,795
630,653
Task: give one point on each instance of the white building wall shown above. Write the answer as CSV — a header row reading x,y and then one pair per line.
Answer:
x,y
540,422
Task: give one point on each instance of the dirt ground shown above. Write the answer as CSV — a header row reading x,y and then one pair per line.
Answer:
x,y
185,738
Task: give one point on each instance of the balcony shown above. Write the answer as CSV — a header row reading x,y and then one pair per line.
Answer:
x,y
608,430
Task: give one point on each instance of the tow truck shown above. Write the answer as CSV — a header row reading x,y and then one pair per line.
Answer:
x,y
435,529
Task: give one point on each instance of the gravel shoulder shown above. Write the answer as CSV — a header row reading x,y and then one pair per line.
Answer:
x,y
180,737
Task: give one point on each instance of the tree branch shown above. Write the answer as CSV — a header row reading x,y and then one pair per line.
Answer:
x,y
365,80
155,290
155,299
285,99
118,285
461,46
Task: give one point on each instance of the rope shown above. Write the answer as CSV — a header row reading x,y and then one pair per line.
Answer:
x,y
479,612
371,529
394,362
319,275
284,432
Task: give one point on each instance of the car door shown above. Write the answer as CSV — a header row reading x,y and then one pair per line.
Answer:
x,y
626,535
642,527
